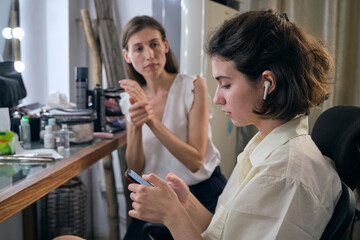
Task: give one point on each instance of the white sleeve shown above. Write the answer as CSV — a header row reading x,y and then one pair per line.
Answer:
x,y
125,104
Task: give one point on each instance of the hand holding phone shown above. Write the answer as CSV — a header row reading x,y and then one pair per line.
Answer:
x,y
136,178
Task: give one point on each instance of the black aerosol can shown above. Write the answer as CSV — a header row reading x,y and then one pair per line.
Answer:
x,y
81,78
98,103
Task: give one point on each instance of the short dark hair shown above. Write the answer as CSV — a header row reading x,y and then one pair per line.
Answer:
x,y
135,25
264,40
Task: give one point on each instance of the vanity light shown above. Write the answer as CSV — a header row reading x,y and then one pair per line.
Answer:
x,y
18,33
6,32
19,66
9,33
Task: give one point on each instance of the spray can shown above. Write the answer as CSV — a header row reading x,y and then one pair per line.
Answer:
x,y
99,106
81,78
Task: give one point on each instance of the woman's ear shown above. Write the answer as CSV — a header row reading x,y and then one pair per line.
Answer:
x,y
167,45
269,82
126,57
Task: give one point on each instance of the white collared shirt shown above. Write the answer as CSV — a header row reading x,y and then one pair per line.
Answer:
x,y
281,188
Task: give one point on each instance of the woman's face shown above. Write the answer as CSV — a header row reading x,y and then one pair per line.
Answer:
x,y
236,96
146,52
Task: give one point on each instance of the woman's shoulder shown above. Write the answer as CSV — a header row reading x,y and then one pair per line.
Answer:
x,y
192,81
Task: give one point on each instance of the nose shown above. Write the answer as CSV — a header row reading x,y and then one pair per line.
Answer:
x,y
149,53
218,98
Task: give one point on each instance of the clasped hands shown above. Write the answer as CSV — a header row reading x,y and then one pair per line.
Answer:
x,y
140,110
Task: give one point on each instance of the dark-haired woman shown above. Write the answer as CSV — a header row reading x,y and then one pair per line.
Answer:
x,y
269,72
167,116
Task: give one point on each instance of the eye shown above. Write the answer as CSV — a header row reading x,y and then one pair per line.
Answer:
x,y
138,49
225,86
155,44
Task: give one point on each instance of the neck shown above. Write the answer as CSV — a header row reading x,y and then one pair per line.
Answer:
x,y
159,83
265,126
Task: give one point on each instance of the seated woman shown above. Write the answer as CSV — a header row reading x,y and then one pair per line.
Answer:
x,y
269,72
167,116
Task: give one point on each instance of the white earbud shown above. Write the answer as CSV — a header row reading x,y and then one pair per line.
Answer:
x,y
266,85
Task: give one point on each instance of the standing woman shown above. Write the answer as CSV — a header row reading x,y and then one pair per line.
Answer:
x,y
270,73
167,116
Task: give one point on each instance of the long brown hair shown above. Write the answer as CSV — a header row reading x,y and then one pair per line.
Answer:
x,y
135,25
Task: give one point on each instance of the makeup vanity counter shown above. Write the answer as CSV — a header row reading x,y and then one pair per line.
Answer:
x,y
23,184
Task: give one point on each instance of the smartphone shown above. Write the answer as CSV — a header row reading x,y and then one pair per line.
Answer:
x,y
136,178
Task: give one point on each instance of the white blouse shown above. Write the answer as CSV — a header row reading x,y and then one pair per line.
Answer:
x,y
281,188
157,158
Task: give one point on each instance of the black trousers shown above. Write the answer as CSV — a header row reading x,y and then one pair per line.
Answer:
x,y
207,192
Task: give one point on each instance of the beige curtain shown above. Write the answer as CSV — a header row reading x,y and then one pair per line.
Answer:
x,y
337,24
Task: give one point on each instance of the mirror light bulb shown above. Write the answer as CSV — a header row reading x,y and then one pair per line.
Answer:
x,y
18,33
19,66
6,32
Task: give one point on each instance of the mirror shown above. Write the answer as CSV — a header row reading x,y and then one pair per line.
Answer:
x,y
11,33
4,22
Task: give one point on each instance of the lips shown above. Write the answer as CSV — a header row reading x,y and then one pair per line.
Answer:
x,y
226,113
151,65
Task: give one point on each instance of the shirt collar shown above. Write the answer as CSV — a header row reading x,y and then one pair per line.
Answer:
x,y
260,149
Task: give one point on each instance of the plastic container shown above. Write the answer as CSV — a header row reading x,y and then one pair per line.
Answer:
x,y
80,123
25,132
49,140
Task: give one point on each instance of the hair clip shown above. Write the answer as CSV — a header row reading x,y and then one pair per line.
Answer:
x,y
285,16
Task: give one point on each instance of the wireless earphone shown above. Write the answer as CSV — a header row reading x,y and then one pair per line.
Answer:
x,y
266,85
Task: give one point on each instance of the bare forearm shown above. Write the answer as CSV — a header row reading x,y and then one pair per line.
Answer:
x,y
191,157
134,152
198,213
182,227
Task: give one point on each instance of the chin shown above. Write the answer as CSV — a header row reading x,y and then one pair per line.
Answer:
x,y
239,123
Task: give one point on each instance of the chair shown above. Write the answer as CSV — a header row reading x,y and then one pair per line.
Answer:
x,y
342,217
337,134
155,231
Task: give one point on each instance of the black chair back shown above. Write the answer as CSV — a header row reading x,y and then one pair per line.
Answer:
x,y
342,217
337,134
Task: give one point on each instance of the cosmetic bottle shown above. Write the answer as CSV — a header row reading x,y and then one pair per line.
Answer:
x,y
81,79
64,136
49,141
25,133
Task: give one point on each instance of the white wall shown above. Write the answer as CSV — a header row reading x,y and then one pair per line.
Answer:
x,y
54,43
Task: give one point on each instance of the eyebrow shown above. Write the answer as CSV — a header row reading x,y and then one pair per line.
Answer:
x,y
218,78
150,41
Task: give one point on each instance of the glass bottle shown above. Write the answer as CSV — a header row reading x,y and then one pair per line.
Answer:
x,y
64,137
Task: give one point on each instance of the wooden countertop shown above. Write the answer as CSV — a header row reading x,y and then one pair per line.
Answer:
x,y
30,189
